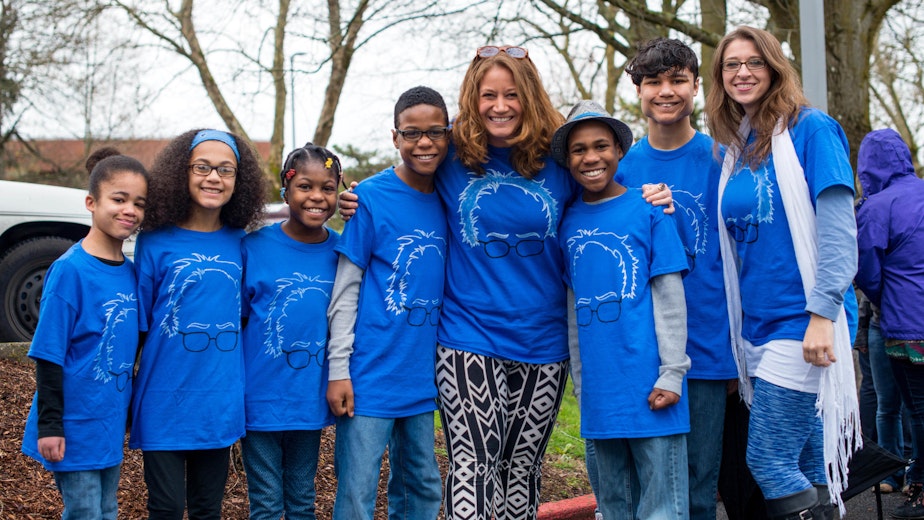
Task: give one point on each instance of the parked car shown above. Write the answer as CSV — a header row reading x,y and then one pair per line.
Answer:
x,y
37,224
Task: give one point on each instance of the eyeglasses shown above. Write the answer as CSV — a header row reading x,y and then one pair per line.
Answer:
x,y
206,169
299,358
735,65
524,248
434,134
420,316
225,341
492,50
607,312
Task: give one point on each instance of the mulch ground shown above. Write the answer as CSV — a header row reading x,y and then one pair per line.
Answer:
x,y
27,491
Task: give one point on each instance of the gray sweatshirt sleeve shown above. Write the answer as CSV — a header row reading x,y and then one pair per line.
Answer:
x,y
574,348
670,317
341,318
837,251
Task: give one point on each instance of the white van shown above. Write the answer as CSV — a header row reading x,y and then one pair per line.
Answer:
x,y
37,224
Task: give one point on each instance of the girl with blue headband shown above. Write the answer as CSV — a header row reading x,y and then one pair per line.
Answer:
x,y
188,405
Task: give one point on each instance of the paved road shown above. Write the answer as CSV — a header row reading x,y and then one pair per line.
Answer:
x,y
860,507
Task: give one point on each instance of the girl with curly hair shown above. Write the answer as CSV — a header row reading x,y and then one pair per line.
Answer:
x,y
789,254
188,405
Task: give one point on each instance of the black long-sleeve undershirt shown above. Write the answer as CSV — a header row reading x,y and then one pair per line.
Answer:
x,y
49,382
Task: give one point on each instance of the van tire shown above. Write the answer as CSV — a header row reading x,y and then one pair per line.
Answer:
x,y
22,275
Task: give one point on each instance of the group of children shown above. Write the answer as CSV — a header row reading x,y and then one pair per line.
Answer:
x,y
273,335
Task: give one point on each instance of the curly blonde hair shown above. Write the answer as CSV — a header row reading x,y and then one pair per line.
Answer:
x,y
783,100
539,118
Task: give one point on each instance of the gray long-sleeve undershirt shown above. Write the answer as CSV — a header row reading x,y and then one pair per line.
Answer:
x,y
341,318
670,318
837,251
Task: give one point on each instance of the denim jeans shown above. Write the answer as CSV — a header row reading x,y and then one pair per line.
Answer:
x,y
90,494
785,440
704,444
414,488
889,433
281,467
653,468
910,380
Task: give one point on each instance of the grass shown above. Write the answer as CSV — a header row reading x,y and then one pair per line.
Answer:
x,y
566,447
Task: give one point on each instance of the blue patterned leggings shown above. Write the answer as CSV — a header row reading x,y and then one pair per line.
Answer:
x,y
785,440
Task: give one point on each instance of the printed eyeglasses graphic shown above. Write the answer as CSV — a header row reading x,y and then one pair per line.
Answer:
x,y
198,341
300,357
206,169
419,316
607,312
499,247
746,234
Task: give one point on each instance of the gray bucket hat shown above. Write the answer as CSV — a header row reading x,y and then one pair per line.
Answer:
x,y
588,111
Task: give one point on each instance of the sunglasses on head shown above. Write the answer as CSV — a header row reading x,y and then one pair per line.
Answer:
x,y
489,51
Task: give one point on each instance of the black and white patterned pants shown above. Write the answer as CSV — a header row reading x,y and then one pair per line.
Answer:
x,y
497,417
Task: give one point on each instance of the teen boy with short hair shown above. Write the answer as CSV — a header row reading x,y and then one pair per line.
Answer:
x,y
666,77
383,315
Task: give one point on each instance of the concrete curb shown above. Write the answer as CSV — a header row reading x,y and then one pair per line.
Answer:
x,y
578,508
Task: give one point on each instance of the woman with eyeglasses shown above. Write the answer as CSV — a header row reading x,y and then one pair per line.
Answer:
x,y
790,254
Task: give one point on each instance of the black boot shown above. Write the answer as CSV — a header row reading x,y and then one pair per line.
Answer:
x,y
798,506
825,510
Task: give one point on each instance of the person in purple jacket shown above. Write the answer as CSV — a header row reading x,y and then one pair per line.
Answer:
x,y
890,237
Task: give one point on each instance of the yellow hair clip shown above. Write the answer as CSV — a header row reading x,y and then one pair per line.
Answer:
x,y
329,162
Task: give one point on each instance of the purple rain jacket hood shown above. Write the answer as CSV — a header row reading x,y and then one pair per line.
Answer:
x,y
890,234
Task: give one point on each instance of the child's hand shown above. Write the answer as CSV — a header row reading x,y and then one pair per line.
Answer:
x,y
659,195
660,399
348,203
340,397
51,448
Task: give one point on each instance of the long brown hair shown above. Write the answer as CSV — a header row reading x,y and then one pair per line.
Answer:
x,y
538,118
784,99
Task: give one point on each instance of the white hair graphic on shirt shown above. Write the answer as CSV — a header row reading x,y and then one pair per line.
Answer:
x,y
412,248
187,273
293,301
625,275
118,310
696,220
484,186
746,228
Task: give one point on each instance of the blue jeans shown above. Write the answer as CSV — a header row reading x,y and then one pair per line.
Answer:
x,y
653,468
910,380
281,467
704,444
785,441
414,488
90,494
889,433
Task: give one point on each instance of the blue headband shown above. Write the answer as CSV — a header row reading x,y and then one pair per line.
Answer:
x,y
216,135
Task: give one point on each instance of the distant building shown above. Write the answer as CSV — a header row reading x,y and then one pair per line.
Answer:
x,y
67,156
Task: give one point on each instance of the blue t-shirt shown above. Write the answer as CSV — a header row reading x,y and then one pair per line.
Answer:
x,y
504,292
287,288
88,324
613,250
189,391
692,172
398,238
772,296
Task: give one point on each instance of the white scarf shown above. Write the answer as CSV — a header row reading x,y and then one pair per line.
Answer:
x,y
837,398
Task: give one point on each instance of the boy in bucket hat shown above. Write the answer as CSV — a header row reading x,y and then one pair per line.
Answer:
x,y
624,263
